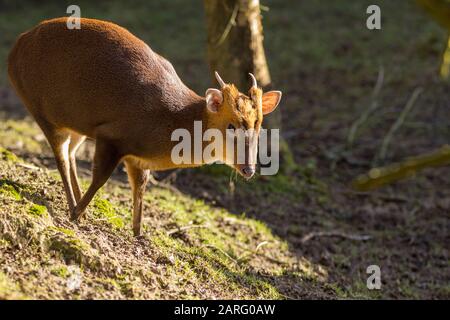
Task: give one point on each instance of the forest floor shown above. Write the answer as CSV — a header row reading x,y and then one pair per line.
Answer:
x,y
303,233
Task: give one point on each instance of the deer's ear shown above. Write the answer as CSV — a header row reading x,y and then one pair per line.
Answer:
x,y
270,101
214,99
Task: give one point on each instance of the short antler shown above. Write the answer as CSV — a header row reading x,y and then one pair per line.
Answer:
x,y
254,83
219,79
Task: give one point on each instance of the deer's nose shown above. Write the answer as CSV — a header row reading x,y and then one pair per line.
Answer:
x,y
248,172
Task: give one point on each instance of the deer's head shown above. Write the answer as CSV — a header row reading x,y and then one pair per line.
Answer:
x,y
239,117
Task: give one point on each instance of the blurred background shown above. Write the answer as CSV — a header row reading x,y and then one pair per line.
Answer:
x,y
354,99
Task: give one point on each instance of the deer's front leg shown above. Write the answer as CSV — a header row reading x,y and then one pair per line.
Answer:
x,y
138,179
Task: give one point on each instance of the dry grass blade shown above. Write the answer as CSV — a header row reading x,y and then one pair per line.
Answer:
x,y
176,230
221,251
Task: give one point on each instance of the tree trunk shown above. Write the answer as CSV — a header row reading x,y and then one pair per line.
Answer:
x,y
235,48
235,45
440,11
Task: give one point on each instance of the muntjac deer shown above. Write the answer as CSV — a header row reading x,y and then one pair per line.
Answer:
x,y
102,82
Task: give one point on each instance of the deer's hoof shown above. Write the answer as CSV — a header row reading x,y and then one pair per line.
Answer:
x,y
75,215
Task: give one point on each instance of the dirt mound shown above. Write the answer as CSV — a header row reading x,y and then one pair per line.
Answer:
x,y
189,249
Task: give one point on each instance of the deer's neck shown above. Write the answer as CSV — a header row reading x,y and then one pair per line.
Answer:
x,y
191,111
185,115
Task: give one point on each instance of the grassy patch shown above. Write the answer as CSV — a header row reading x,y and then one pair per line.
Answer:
x,y
103,209
38,210
209,244
212,265
21,134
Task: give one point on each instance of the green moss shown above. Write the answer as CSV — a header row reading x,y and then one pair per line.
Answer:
x,y
10,189
127,287
9,289
105,210
408,290
60,271
443,291
4,243
38,210
108,283
54,174
68,245
359,290
340,292
7,155
67,232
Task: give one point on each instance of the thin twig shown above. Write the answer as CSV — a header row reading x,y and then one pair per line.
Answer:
x,y
398,123
230,24
164,185
171,176
372,108
380,196
312,235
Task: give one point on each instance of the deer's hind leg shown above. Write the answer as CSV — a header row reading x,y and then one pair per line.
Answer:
x,y
59,140
75,142
106,159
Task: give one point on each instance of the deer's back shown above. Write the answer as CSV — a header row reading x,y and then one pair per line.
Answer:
x,y
95,76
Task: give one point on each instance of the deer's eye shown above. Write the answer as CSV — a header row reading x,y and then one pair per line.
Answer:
x,y
231,127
